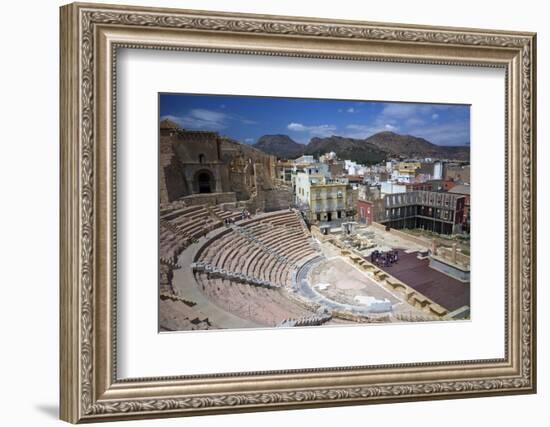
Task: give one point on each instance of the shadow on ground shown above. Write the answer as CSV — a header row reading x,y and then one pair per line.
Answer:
x,y
49,409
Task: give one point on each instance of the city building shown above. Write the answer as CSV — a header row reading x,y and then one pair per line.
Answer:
x,y
304,160
353,168
464,190
324,199
437,170
426,168
457,172
355,180
325,158
368,191
405,171
391,187
317,169
365,211
432,185
284,170
439,212
335,167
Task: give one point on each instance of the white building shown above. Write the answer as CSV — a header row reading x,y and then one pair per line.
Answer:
x,y
317,169
304,160
391,187
353,168
438,170
328,157
405,178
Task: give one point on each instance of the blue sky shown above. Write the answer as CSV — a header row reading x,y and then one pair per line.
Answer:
x,y
247,118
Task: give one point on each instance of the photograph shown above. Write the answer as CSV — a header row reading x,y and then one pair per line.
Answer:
x,y
279,212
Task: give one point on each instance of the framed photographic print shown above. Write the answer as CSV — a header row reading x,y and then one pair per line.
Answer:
x,y
266,212
261,234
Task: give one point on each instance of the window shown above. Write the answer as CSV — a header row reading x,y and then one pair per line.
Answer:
x,y
201,158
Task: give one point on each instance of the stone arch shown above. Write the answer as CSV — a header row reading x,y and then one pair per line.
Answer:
x,y
204,181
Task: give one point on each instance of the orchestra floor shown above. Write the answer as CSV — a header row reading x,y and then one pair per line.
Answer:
x,y
440,288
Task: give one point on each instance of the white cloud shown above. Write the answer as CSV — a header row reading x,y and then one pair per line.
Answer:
x,y
249,140
296,126
351,110
207,115
457,133
405,111
413,119
202,119
199,118
315,130
418,120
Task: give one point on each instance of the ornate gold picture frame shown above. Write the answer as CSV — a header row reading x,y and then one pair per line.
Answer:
x,y
90,36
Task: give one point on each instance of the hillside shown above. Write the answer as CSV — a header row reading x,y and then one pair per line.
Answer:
x,y
346,148
373,149
412,146
279,145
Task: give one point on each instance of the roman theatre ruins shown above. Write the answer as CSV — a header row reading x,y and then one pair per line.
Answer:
x,y
235,253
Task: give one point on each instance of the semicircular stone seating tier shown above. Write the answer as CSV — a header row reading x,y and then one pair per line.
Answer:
x,y
180,225
266,250
263,305
245,266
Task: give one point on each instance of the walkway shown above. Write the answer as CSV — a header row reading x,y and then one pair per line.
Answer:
x,y
186,285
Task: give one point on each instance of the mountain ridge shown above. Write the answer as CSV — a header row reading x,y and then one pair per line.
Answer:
x,y
279,145
374,149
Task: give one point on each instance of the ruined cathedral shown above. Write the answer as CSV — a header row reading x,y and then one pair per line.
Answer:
x,y
204,168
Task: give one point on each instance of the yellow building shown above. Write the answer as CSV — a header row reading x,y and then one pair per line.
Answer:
x,y
325,199
405,171
405,167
